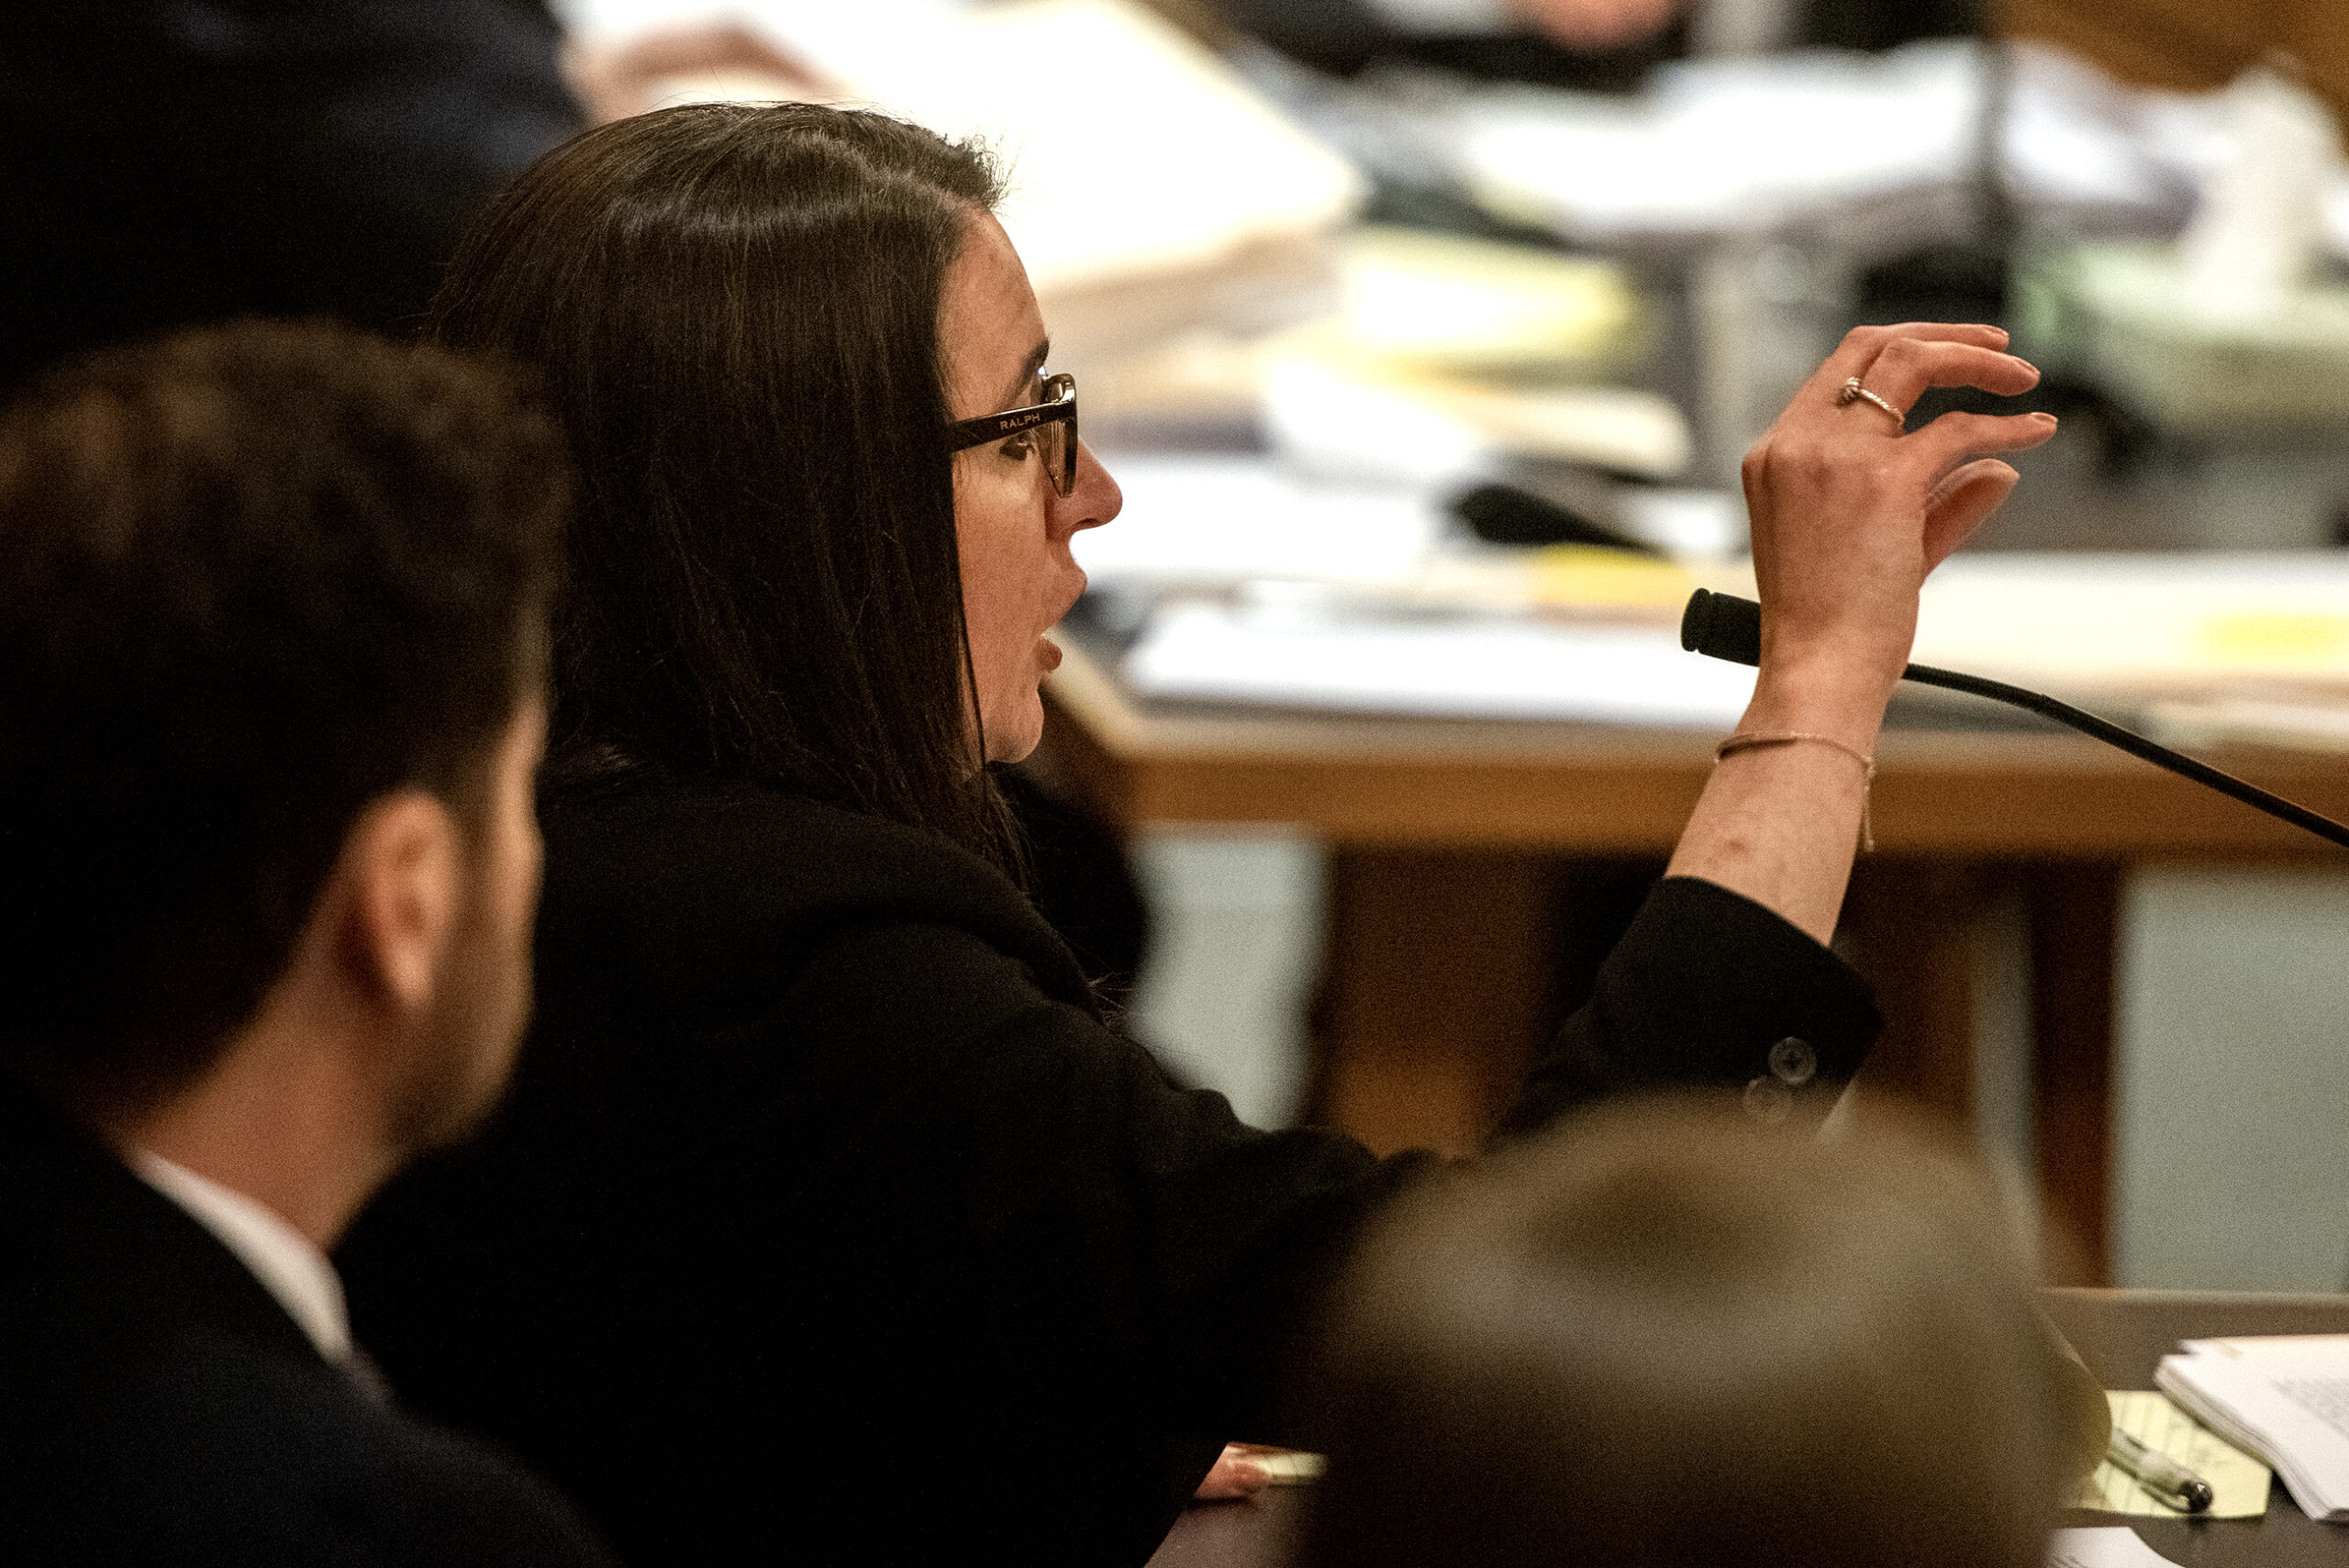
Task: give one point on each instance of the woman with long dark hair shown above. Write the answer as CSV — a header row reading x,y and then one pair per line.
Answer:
x,y
830,1221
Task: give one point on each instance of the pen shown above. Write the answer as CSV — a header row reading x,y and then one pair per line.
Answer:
x,y
2166,1479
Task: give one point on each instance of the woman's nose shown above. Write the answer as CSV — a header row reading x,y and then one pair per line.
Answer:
x,y
1095,500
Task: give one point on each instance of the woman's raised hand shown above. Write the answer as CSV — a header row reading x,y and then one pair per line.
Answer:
x,y
1850,512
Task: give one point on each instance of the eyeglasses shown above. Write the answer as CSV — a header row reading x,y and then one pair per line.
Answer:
x,y
1052,422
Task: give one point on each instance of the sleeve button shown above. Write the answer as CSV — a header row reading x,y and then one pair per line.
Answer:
x,y
1769,1102
1793,1062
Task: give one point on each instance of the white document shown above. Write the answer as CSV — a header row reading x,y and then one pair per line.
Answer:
x,y
1211,521
1721,146
1133,151
1724,145
2124,626
2272,1349
1151,190
2114,1546
1438,668
2285,1402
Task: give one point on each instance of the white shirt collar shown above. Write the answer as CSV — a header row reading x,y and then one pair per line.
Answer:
x,y
280,1256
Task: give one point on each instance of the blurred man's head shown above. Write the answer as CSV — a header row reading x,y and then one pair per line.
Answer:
x,y
272,631
1664,1336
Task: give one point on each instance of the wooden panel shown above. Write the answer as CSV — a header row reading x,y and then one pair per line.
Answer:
x,y
1435,999
1910,926
1578,789
2075,920
2193,46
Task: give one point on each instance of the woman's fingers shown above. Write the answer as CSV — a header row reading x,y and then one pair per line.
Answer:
x,y
1850,513
1863,346
1906,366
1953,438
1961,503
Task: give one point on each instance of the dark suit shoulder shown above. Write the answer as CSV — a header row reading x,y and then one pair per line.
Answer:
x,y
153,1444
159,1406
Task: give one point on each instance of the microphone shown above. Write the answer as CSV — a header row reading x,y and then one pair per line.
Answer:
x,y
1722,626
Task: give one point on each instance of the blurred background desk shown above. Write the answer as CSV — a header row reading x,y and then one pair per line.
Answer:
x,y
1999,859
2121,1334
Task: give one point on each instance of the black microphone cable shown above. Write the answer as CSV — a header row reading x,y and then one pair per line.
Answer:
x,y
1722,626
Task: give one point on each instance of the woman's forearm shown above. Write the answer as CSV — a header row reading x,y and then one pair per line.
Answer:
x,y
1778,823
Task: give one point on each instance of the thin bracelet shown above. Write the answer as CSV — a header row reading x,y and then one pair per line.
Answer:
x,y
1742,742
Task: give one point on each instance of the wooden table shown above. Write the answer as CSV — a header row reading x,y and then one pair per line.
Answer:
x,y
2121,1334
1458,845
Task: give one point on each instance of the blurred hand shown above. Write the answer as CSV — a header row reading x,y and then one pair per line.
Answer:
x,y
1597,24
615,81
1850,513
1237,1474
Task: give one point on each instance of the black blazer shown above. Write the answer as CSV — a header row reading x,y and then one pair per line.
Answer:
x,y
829,1221
158,1408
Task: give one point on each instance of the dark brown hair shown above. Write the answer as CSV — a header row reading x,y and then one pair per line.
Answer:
x,y
251,578
733,311
1663,1339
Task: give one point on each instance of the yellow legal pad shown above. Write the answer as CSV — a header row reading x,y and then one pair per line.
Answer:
x,y
2238,1482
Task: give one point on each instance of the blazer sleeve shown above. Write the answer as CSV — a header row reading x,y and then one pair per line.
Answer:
x,y
1708,989
1138,1223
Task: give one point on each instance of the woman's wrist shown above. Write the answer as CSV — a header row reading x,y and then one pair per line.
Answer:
x,y
1831,698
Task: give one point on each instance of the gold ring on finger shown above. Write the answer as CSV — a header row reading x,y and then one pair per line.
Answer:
x,y
1853,391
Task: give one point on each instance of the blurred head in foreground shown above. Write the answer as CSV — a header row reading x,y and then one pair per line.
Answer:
x,y
1663,1337
272,626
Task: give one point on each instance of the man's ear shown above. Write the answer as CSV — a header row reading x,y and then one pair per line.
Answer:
x,y
402,875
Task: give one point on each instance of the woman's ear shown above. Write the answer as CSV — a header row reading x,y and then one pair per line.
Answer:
x,y
403,872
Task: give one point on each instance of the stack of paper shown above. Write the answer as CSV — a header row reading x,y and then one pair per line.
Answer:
x,y
1450,352
1153,189
1454,669
1250,584
2285,1401
1728,145
2129,316
1195,520
2108,1548
1739,145
2133,628
1420,301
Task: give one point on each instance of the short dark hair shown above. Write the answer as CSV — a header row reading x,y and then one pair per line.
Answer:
x,y
1663,1336
733,311
251,578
